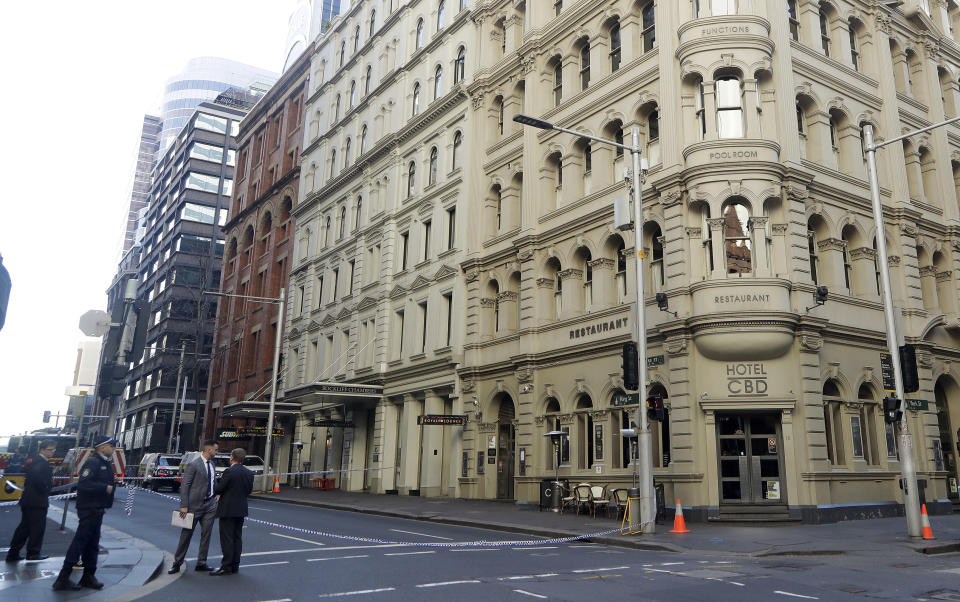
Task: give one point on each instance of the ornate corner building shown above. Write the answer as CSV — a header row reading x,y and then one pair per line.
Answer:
x,y
756,196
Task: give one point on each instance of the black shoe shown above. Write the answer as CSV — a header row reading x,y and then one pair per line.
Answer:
x,y
63,583
90,581
174,569
220,571
37,556
202,566
16,558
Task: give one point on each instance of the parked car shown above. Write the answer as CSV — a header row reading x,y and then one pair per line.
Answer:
x,y
160,470
254,463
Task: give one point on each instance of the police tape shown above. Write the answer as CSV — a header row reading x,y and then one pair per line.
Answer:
x,y
455,544
52,498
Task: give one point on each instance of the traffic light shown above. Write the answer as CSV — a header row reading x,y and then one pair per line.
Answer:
x,y
46,416
891,410
631,367
655,408
908,369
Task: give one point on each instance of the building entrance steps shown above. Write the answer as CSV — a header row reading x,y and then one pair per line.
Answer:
x,y
763,539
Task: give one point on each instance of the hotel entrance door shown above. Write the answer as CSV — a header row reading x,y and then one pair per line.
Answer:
x,y
751,461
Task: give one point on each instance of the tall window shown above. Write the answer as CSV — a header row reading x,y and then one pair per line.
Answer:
x,y
356,39
653,137
333,162
363,141
427,228
356,218
336,109
434,167
724,7
459,66
366,80
736,238
411,178
419,40
557,82
457,143
343,222
440,15
824,32
438,82
729,111
346,154
585,66
499,103
649,32
326,235
451,227
701,117
618,138
854,52
353,94
404,249
373,22
812,255
416,99
615,48
343,52
794,21
557,7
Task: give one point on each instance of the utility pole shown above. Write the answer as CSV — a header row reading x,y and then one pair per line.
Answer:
x,y
173,416
268,448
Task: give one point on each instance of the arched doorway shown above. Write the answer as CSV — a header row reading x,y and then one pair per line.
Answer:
x,y
506,447
947,395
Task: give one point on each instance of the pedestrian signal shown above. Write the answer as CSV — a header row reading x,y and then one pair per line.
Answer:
x,y
655,409
908,369
891,410
631,367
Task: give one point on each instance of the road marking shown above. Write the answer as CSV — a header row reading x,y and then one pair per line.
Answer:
x,y
737,583
280,600
475,550
613,568
332,549
421,534
518,577
795,595
359,592
526,593
409,553
259,508
670,563
316,543
537,548
247,566
337,558
443,583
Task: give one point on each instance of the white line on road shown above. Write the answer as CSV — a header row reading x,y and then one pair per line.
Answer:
x,y
359,592
526,593
519,577
475,549
316,543
537,548
337,558
421,534
737,583
612,568
247,566
333,549
670,563
259,508
443,583
280,600
409,553
796,595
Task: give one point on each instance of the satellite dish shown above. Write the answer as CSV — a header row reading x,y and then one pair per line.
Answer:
x,y
95,323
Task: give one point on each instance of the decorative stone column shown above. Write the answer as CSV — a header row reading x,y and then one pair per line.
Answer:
x,y
751,100
604,282
758,233
831,263
719,260
710,110
863,282
698,270
572,297
545,300
410,431
508,311
928,287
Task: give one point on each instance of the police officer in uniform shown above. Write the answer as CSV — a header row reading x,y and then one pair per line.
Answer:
x,y
94,495
33,505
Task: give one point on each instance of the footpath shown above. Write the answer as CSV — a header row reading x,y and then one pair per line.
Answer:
x,y
762,539
125,564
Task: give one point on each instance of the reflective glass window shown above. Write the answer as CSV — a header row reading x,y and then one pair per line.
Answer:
x,y
211,123
198,213
189,243
729,112
207,152
203,182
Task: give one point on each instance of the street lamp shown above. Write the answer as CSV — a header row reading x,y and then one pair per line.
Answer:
x,y
908,469
645,444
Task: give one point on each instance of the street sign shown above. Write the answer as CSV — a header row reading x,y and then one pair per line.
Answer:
x,y
625,399
917,404
442,419
654,360
245,432
95,323
331,423
886,371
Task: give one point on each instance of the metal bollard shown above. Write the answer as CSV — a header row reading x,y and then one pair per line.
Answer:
x,y
634,496
556,496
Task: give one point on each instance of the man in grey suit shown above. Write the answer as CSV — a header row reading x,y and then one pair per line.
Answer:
x,y
196,496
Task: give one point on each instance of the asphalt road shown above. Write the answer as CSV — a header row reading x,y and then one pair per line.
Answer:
x,y
284,564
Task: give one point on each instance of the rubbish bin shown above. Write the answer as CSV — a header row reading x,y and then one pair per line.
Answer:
x,y
546,492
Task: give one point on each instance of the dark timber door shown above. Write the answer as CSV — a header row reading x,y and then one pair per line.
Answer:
x,y
749,450
505,450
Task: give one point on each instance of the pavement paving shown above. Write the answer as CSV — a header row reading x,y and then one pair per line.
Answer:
x,y
126,563
847,537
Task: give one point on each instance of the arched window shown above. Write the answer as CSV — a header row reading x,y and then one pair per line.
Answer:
x,y
621,274
584,66
419,41
615,53
854,46
356,39
557,82
463,4
346,154
618,138
434,167
498,104
343,222
729,111
343,52
587,158
557,7
499,208
373,22
653,137
333,162
699,111
438,82
353,94
792,16
457,143
824,32
440,14
326,234
460,65
847,237
336,109
812,255
411,178
366,80
363,141
736,238
356,217
649,32
656,263
416,99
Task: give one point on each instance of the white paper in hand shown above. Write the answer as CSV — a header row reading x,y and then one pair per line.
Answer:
x,y
183,523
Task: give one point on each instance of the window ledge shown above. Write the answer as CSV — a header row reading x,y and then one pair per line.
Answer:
x,y
418,356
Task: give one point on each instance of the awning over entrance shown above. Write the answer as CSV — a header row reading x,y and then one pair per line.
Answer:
x,y
326,394
259,409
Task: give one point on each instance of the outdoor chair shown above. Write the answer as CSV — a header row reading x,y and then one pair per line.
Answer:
x,y
598,499
582,497
618,498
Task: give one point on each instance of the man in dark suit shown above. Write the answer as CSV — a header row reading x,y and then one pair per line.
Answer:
x,y
196,496
33,505
234,486
94,495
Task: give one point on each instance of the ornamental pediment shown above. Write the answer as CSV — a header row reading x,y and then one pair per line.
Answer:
x,y
445,272
328,320
294,333
344,314
419,282
366,303
397,291
313,326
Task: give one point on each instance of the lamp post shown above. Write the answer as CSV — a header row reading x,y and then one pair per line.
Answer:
x,y
644,442
908,469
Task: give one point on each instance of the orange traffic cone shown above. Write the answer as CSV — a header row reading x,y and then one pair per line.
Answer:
x,y
925,521
276,485
679,525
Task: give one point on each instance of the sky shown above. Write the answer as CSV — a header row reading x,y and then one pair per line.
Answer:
x,y
79,78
